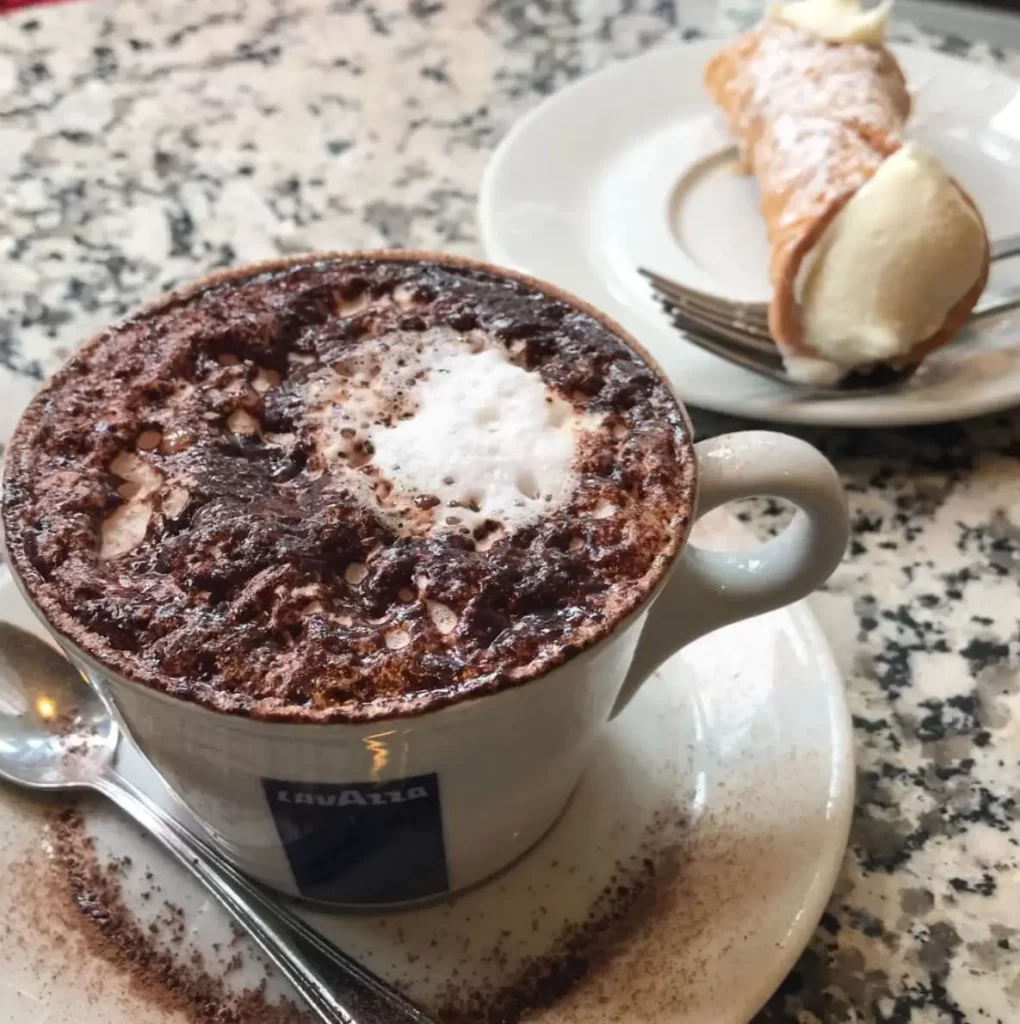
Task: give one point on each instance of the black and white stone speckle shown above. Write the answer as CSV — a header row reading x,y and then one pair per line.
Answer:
x,y
143,143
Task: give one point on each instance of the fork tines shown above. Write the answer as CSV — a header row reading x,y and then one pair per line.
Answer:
x,y
725,338
705,327
751,319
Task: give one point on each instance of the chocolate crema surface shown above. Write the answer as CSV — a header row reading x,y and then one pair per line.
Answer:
x,y
347,489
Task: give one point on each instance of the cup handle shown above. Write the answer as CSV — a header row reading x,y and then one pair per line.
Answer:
x,y
709,589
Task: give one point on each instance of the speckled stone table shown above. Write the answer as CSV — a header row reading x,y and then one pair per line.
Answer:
x,y
143,143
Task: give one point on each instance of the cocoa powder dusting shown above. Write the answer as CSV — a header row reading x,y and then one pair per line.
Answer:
x,y
93,890
82,900
626,908
243,566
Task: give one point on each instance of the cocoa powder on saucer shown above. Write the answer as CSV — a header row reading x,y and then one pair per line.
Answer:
x,y
93,890
625,908
82,900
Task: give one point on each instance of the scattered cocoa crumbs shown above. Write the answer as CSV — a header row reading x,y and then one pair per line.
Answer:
x,y
114,933
619,964
624,908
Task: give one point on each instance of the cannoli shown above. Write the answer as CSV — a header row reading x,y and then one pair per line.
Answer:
x,y
877,254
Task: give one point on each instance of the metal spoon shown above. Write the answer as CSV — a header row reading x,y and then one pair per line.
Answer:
x,y
57,734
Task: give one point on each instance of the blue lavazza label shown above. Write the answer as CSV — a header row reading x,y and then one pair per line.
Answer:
x,y
362,842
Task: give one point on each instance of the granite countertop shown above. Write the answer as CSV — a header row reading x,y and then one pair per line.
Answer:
x,y
142,143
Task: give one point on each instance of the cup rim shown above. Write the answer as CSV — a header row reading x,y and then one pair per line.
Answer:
x,y
286,729
396,712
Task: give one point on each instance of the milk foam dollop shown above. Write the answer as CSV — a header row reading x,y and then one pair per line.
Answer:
x,y
442,431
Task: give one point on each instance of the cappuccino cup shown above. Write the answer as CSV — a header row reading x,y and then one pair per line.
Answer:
x,y
367,548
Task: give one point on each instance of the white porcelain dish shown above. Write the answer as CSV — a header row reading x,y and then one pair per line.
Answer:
x,y
742,749
633,166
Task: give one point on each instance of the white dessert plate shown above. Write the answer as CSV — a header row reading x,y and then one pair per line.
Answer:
x,y
738,758
633,167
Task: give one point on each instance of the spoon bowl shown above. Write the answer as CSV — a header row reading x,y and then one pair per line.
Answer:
x,y
55,732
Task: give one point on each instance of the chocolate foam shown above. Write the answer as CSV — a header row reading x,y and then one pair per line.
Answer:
x,y
170,508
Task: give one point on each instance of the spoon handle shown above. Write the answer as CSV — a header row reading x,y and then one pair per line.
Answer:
x,y
337,988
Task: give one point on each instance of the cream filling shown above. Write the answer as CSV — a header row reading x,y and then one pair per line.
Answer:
x,y
839,21
889,268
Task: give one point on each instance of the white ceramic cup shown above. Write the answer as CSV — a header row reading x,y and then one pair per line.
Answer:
x,y
413,808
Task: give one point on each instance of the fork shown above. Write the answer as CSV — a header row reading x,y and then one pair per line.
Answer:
x,y
739,331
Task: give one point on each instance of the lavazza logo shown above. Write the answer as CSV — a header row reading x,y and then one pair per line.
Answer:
x,y
351,797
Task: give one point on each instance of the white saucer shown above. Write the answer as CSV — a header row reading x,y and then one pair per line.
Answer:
x,y
745,738
632,166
